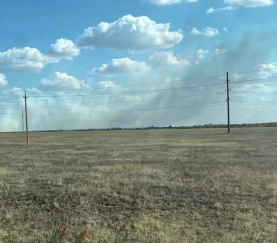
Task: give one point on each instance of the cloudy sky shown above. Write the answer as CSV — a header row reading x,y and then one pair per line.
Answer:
x,y
135,63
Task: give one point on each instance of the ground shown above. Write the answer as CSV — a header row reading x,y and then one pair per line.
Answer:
x,y
159,186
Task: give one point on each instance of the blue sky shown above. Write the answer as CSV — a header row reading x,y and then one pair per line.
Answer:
x,y
44,45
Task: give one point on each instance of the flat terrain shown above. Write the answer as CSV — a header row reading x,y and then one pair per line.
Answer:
x,y
164,185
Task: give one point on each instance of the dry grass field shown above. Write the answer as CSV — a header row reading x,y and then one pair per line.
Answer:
x,y
163,185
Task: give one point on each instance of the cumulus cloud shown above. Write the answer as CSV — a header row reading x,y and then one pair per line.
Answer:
x,y
163,2
64,48
235,4
236,77
267,70
106,84
79,112
3,80
168,2
258,87
261,71
13,91
64,80
120,66
250,3
24,59
208,31
225,29
19,91
219,51
130,33
167,58
201,53
214,10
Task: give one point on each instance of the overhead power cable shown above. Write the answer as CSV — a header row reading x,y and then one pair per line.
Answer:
x,y
143,84
253,80
9,100
138,101
262,103
246,72
133,92
156,108
240,92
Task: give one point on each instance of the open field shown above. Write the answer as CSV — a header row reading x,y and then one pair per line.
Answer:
x,y
164,185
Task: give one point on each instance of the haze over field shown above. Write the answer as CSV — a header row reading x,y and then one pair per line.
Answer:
x,y
99,64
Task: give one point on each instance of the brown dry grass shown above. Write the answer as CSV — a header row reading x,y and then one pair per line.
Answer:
x,y
164,185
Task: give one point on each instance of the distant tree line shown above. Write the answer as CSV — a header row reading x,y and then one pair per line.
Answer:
x,y
271,124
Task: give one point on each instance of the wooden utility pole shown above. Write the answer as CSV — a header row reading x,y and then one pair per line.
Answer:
x,y
228,103
26,116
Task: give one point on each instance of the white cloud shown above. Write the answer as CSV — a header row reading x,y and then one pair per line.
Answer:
x,y
208,31
33,90
19,91
168,2
218,51
5,104
65,81
225,29
24,59
201,53
13,91
64,48
267,70
259,87
163,2
235,4
236,77
264,99
106,84
120,66
3,80
250,3
227,8
166,58
130,33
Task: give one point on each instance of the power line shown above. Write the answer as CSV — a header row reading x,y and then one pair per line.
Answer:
x,y
9,115
133,92
138,101
9,100
245,72
143,84
145,91
239,92
262,103
156,108
253,80
130,102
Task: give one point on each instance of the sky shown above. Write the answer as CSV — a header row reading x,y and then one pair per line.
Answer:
x,y
136,63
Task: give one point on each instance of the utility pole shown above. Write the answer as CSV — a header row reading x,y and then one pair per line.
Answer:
x,y
22,121
228,103
26,116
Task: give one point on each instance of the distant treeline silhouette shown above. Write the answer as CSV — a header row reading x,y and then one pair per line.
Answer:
x,y
271,124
